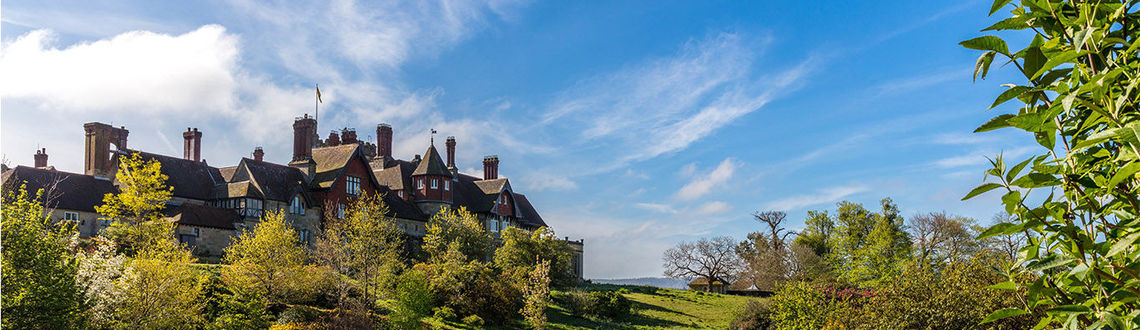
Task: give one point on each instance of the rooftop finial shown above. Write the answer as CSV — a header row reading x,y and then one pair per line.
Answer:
x,y
433,136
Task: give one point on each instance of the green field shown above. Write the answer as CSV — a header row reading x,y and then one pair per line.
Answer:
x,y
654,308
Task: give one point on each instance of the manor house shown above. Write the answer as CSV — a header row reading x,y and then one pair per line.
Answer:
x,y
211,204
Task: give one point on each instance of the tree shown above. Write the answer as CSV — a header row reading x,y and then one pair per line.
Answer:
x,y
940,238
1077,96
712,259
264,260
536,295
135,211
868,246
364,248
819,227
40,288
766,255
525,250
461,227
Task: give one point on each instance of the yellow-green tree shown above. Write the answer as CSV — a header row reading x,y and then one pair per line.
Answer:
x,y
164,293
536,295
40,290
135,211
265,260
462,228
525,250
363,246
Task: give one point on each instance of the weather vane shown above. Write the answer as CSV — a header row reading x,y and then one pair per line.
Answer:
x,y
433,136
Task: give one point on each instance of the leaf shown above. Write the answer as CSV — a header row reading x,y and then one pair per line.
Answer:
x,y
1004,313
1011,200
1082,36
1124,173
983,64
1036,180
1049,262
1007,285
1034,60
1097,138
1046,139
1057,59
982,189
987,43
1004,228
1113,320
998,4
1009,94
1012,23
1016,169
1122,244
1000,121
1069,309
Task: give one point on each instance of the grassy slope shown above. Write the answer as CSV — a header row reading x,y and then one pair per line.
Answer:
x,y
657,308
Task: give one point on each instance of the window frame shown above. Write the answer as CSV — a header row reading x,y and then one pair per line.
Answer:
x,y
352,185
434,183
447,185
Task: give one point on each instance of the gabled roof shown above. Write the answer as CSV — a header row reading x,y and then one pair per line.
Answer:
x,y
432,164
399,208
190,179
495,186
527,212
331,162
203,216
276,182
228,173
468,194
72,191
397,176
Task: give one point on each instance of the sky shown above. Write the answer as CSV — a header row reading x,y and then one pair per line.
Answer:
x,y
633,125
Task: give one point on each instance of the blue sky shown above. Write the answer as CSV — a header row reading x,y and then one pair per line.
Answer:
x,y
633,125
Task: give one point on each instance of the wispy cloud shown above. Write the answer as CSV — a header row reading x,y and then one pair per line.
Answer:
x,y
547,181
826,195
714,207
703,185
656,207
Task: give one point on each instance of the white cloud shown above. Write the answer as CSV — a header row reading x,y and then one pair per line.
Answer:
x,y
656,207
822,196
543,182
135,72
714,207
703,185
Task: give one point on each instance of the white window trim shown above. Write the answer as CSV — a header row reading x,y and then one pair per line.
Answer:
x,y
446,185
419,183
434,183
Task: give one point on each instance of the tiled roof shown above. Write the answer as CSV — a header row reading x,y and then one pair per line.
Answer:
x,y
399,208
203,216
495,186
277,182
190,179
228,173
397,176
468,194
432,164
330,163
72,191
527,212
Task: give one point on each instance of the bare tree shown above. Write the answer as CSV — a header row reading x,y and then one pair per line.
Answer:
x,y
939,237
1007,245
713,259
777,234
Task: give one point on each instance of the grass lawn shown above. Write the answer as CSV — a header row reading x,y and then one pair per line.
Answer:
x,y
659,308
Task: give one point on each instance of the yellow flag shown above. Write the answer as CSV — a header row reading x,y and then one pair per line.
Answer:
x,y
319,94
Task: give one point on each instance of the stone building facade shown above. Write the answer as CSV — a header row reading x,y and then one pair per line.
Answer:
x,y
212,205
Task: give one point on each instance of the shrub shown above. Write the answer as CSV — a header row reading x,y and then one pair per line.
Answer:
x,y
299,314
799,305
473,320
445,313
611,305
243,310
756,315
413,299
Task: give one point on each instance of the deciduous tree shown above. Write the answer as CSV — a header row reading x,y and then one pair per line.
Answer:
x,y
135,212
713,259
460,227
264,260
364,248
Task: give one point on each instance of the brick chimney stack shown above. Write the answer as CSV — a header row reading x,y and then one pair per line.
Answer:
x,y
258,154
348,136
384,141
192,144
41,157
490,167
97,148
451,152
333,140
304,129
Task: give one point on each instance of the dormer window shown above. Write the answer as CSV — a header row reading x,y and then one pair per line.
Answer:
x,y
297,206
434,183
352,186
446,185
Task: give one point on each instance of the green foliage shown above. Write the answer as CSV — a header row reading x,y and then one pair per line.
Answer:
x,y
413,299
1079,99
444,313
265,260
241,310
471,287
800,305
473,320
757,315
39,284
522,249
136,211
363,248
536,295
459,227
605,304
819,227
299,315
867,246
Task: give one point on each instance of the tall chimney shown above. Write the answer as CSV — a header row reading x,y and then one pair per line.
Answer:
x,y
192,144
384,141
348,136
490,167
258,154
450,152
304,129
41,157
333,140
97,148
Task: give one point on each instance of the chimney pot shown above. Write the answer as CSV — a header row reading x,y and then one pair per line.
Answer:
x,y
348,136
304,132
41,158
192,144
490,167
451,152
258,154
384,141
333,140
